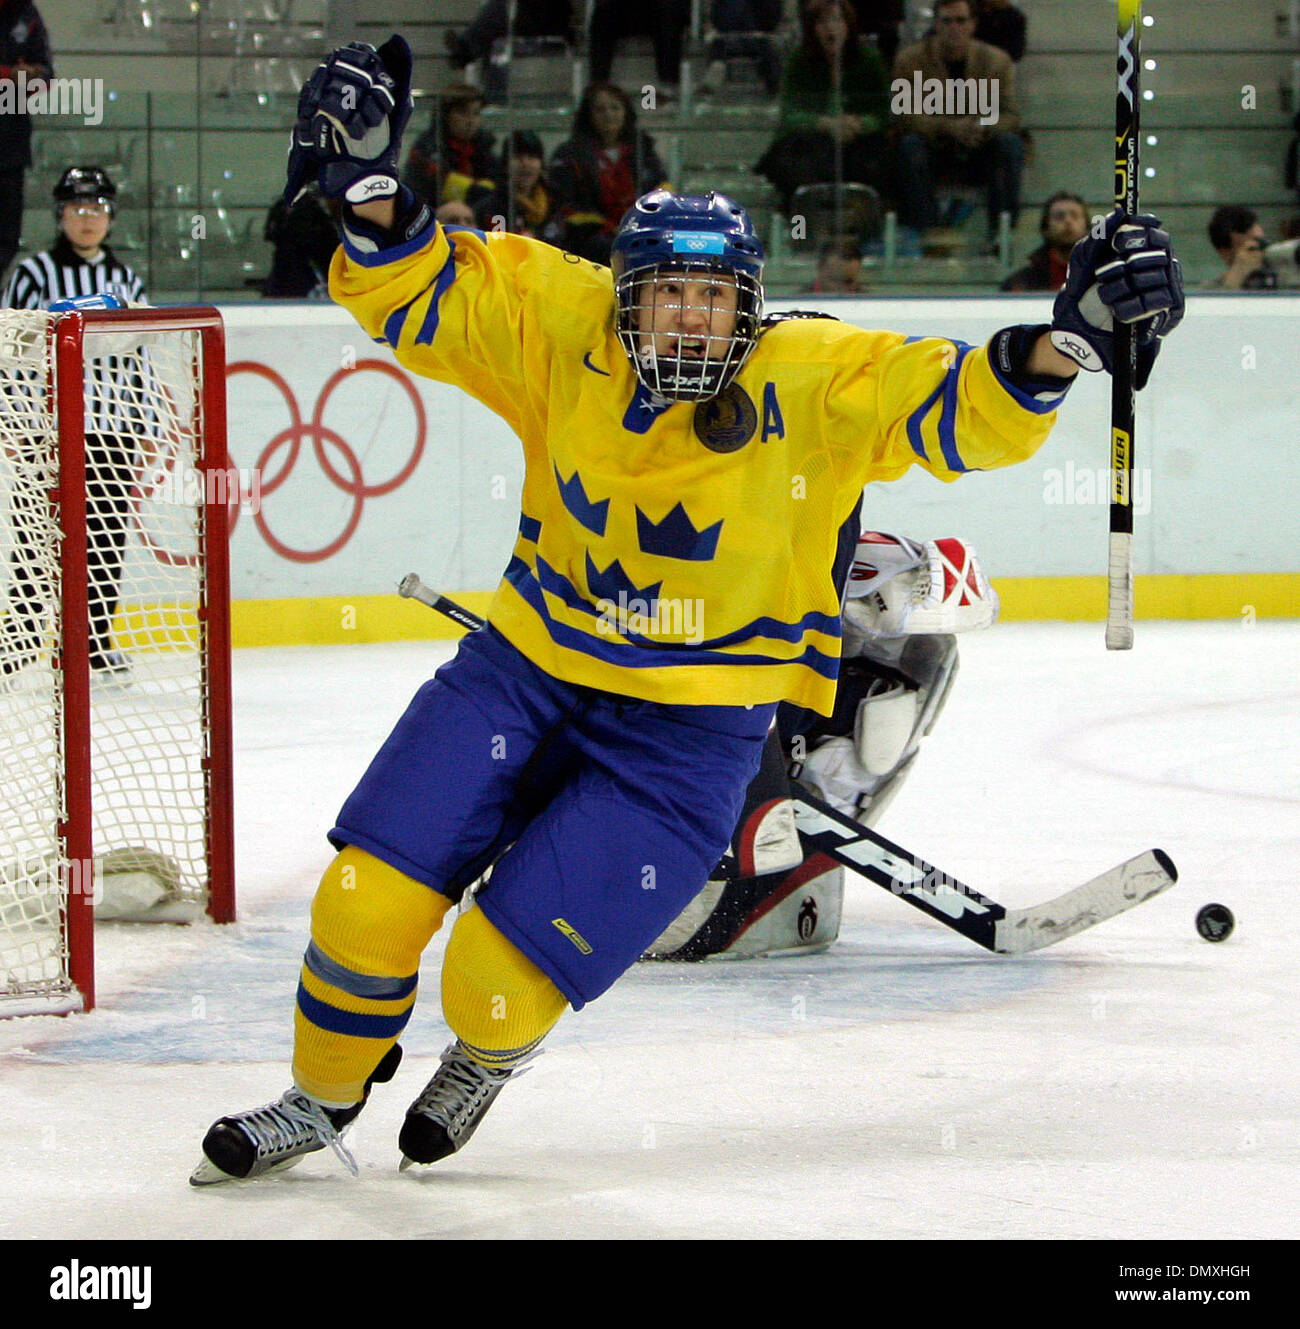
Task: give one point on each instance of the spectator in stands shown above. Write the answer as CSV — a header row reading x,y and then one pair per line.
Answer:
x,y
834,106
533,18
601,171
839,269
455,212
1064,221
303,240
664,21
935,145
744,29
525,202
1250,263
881,21
492,23
1001,24
454,154
24,49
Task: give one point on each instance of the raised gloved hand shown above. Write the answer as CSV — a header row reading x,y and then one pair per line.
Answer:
x,y
351,114
1127,272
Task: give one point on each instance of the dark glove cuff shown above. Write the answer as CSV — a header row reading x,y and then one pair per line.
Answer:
x,y
411,215
1009,352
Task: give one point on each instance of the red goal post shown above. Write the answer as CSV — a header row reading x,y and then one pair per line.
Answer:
x,y
115,734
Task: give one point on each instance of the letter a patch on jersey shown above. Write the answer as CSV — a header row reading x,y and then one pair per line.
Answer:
x,y
773,423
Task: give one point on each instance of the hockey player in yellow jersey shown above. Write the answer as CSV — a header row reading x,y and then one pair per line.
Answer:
x,y
688,469
724,465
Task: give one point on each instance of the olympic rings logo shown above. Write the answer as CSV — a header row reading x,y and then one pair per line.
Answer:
x,y
353,483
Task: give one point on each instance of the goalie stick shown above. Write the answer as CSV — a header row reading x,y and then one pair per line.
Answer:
x,y
824,830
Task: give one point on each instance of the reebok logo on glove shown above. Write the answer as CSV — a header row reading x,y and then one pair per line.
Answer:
x,y
377,186
1078,350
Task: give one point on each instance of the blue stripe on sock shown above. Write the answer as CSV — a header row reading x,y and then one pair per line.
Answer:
x,y
335,1021
376,986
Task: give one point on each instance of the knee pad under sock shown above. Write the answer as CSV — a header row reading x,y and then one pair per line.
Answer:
x,y
370,925
496,1000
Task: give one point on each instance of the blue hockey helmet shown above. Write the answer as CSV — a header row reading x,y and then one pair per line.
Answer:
x,y
694,237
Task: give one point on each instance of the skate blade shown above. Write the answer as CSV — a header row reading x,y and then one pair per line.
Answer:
x,y
209,1174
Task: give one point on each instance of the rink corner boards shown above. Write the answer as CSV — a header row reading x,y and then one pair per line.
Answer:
x,y
345,619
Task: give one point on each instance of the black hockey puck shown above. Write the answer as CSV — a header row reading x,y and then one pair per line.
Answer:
x,y
1215,922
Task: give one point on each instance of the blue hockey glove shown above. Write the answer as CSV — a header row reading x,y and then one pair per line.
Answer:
x,y
351,114
104,301
1127,272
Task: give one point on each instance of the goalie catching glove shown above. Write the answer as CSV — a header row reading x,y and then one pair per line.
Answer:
x,y
899,587
1126,271
351,114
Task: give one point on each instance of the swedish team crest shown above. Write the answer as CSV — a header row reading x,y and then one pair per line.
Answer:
x,y
727,422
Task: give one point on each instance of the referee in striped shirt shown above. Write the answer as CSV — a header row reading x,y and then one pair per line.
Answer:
x,y
80,263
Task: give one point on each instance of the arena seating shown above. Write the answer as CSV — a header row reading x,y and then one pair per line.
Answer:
x,y
203,147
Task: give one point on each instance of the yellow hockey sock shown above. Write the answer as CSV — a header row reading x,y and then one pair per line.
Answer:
x,y
496,1000
370,924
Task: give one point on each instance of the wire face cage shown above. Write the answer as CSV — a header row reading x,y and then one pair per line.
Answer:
x,y
687,329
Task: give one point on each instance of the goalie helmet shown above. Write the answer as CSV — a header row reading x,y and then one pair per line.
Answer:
x,y
665,234
85,184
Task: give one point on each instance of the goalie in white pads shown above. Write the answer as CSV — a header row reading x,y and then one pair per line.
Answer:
x,y
904,602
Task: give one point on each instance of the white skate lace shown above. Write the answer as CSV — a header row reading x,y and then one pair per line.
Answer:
x,y
458,1089
294,1120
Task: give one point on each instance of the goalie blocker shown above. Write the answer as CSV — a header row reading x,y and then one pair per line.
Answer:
x,y
903,603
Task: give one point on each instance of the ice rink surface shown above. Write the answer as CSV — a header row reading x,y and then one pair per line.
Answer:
x,y
1131,1082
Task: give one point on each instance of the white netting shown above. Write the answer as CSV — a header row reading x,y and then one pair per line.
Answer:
x,y
145,497
33,958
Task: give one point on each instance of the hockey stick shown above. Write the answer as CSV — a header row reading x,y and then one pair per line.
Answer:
x,y
1119,597
822,829
414,589
1004,931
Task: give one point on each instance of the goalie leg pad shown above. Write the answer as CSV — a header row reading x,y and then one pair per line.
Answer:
x,y
933,662
765,839
787,913
370,925
894,694
884,726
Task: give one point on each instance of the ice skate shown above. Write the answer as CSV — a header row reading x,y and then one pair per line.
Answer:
x,y
274,1138
453,1103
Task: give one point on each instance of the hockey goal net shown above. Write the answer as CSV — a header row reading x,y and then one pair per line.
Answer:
x,y
114,637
